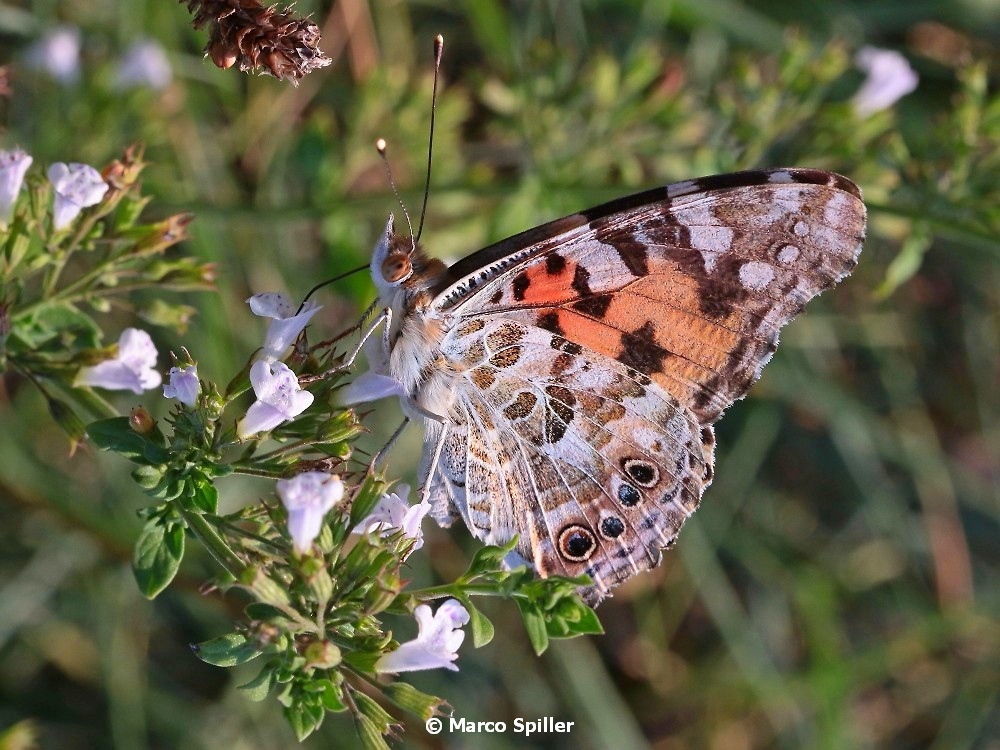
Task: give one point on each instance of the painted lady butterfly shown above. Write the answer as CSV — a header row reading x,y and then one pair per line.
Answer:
x,y
567,378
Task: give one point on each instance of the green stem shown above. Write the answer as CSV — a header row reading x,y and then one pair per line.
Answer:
x,y
451,589
214,543
242,468
962,232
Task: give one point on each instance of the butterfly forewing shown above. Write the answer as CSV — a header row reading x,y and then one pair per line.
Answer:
x,y
689,284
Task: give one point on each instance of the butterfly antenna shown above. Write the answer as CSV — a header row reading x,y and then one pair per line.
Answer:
x,y
322,284
438,52
381,148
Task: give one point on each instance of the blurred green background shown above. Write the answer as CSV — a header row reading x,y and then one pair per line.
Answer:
x,y
838,587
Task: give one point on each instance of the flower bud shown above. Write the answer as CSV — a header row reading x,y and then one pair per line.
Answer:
x,y
141,421
322,654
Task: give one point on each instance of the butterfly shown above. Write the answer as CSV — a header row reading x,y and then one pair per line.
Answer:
x,y
567,378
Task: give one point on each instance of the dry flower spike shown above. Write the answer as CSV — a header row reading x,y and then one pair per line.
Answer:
x,y
258,38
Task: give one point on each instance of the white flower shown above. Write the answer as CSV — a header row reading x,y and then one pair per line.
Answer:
x,y
394,513
58,54
279,398
307,497
183,385
375,383
13,166
436,644
77,186
144,64
285,326
132,369
890,77
370,386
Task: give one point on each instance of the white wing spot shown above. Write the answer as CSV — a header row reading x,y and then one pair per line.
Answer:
x,y
756,275
788,254
801,228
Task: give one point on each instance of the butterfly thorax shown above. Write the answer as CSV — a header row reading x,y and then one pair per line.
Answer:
x,y
408,280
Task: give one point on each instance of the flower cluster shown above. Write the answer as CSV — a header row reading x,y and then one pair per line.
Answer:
x,y
324,560
57,54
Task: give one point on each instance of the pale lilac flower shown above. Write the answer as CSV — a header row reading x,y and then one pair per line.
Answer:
x,y
436,644
77,186
132,369
13,166
890,77
285,326
183,385
375,383
58,54
393,512
144,64
307,497
279,398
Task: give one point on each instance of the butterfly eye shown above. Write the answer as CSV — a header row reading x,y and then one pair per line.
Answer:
x,y
396,268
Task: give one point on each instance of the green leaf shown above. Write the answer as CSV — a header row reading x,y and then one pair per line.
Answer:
x,y
227,650
304,718
157,555
116,435
206,495
909,259
264,612
260,686
489,559
167,315
362,661
332,697
59,327
534,623
482,628
147,477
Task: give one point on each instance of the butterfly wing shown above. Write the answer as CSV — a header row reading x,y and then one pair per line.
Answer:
x,y
591,355
592,465
688,284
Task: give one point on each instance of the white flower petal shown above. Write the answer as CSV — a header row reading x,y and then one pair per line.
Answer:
x,y
286,324
260,417
890,77
144,64
393,513
279,398
308,497
436,644
411,657
77,186
132,369
184,385
271,305
13,166
370,386
57,53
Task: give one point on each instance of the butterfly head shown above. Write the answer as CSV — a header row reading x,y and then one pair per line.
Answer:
x,y
399,264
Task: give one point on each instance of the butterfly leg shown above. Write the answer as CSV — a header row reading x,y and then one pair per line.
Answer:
x,y
384,450
433,458
384,318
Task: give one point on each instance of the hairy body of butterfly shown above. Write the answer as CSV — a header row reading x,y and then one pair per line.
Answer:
x,y
567,378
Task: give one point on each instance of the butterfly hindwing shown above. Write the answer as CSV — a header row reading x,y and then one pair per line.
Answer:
x,y
588,461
